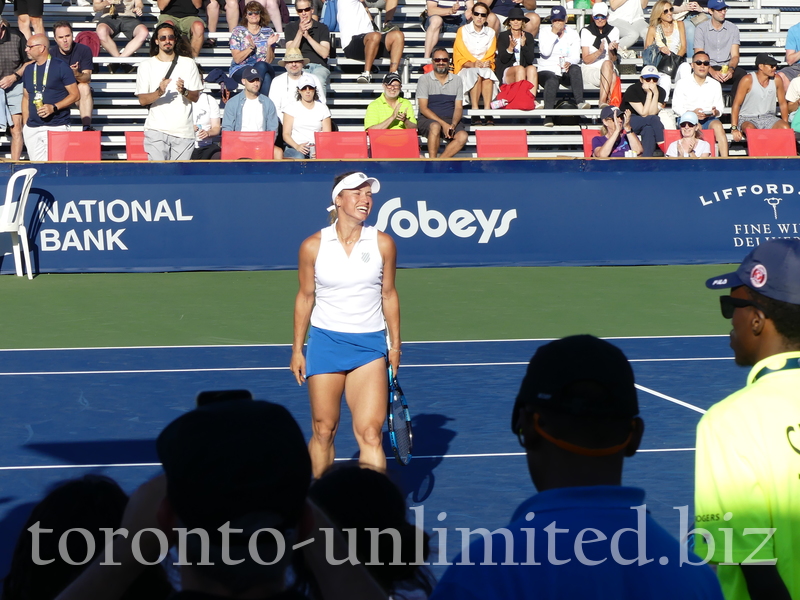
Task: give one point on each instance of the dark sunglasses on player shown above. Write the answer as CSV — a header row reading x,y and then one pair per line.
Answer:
x,y
728,304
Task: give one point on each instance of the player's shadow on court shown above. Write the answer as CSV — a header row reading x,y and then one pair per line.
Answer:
x,y
102,452
431,442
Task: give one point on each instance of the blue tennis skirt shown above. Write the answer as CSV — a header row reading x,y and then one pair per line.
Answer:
x,y
335,351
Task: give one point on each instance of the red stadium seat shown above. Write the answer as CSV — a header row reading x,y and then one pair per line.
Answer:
x,y
258,145
341,144
588,136
498,143
134,145
771,142
77,146
393,143
671,135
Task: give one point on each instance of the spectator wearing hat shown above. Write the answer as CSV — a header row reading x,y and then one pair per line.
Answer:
x,y
702,95
576,417
252,110
645,99
754,103
719,38
691,143
599,44
168,129
444,16
390,110
559,61
747,444
252,44
185,16
283,90
361,42
440,102
313,39
473,60
628,17
516,52
503,8
303,118
616,139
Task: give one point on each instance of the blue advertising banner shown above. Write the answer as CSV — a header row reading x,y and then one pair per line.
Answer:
x,y
248,215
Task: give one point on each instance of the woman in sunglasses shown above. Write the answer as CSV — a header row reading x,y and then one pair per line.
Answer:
x,y
617,139
691,144
303,119
252,44
516,53
670,37
473,60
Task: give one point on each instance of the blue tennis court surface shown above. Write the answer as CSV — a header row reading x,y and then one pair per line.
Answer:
x,y
74,411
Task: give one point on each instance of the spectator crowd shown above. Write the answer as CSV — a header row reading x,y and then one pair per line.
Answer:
x,y
504,56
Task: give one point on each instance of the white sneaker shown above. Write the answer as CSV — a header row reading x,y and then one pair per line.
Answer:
x,y
625,53
584,105
365,77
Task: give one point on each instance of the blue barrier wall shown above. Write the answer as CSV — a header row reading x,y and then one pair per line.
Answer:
x,y
247,215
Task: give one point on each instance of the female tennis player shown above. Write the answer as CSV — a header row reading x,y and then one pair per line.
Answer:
x,y
347,291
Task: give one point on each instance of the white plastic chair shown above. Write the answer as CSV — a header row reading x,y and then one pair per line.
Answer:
x,y
12,217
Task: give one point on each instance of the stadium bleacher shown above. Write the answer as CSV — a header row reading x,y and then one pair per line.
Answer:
x,y
763,25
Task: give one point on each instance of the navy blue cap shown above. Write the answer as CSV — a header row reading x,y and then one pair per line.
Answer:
x,y
558,13
717,4
771,269
608,112
250,74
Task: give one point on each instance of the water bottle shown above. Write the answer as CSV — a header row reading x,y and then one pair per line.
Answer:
x,y
499,103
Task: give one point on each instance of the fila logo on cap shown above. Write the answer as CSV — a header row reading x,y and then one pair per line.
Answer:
x,y
758,276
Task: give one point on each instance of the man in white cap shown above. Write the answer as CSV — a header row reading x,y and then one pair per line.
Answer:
x,y
284,86
599,44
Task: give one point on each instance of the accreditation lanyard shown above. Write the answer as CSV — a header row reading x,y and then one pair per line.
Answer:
x,y
44,79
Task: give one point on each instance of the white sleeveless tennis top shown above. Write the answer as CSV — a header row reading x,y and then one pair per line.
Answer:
x,y
348,289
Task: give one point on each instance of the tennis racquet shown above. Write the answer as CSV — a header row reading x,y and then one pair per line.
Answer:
x,y
399,422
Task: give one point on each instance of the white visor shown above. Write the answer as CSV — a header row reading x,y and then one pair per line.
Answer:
x,y
351,182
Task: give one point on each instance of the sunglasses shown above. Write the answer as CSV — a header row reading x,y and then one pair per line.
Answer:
x,y
29,46
480,14
704,63
302,10
257,13
307,87
441,60
599,17
651,79
668,10
687,124
770,66
166,38
728,304
254,79
394,86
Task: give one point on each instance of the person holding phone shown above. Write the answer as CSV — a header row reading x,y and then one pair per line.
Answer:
x,y
348,296
617,139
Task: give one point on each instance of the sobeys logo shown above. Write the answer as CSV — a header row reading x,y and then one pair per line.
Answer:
x,y
461,223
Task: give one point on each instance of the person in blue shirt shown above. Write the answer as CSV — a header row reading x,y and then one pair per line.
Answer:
x,y
584,535
49,90
78,58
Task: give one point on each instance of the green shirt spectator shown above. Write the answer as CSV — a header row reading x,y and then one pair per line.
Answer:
x,y
389,110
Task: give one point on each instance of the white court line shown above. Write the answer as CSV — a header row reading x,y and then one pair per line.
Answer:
x,y
223,369
434,456
631,337
671,399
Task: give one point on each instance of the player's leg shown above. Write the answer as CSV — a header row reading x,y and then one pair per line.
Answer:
x,y
325,395
367,394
